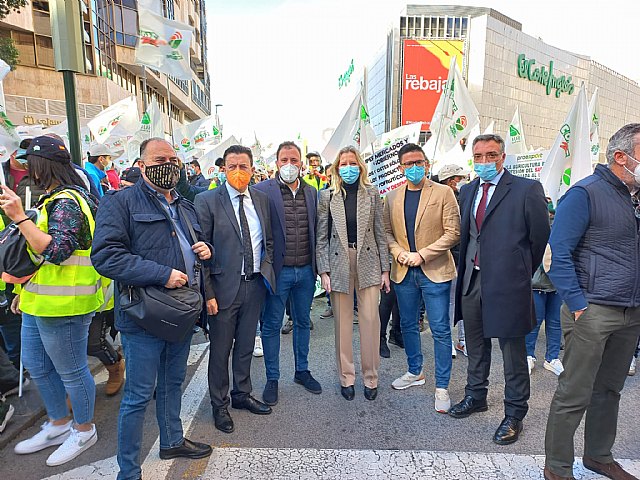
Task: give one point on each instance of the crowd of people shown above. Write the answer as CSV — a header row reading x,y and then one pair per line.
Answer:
x,y
250,243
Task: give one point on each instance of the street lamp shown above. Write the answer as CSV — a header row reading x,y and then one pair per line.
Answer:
x,y
218,120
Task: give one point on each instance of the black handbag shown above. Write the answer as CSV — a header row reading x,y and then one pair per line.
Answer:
x,y
167,313
16,264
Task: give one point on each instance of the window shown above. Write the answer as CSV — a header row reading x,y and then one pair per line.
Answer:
x,y
168,9
25,45
44,49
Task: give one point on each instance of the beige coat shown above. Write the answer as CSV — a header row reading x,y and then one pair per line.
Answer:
x,y
437,230
332,251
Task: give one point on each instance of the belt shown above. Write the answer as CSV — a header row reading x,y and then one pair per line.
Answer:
x,y
352,245
248,278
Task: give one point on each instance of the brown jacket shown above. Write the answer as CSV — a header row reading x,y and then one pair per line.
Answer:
x,y
437,230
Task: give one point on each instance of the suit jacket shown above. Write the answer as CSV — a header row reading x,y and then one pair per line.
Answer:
x,y
276,204
332,251
221,229
437,230
512,241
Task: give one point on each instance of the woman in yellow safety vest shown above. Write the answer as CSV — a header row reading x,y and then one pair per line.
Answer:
x,y
58,302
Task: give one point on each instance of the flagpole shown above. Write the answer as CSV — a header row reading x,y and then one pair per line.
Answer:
x,y
169,105
144,88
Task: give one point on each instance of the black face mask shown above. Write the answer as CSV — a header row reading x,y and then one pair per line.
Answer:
x,y
165,176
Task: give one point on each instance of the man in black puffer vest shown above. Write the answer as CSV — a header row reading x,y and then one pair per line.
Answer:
x,y
595,265
293,206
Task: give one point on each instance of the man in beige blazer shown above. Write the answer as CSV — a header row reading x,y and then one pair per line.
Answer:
x,y
422,223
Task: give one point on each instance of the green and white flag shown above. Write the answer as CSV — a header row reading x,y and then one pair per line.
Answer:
x,y
151,126
455,114
192,138
211,153
120,120
594,127
515,142
354,129
164,44
569,160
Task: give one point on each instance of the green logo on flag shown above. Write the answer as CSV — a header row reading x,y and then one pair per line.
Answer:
x,y
175,40
566,177
461,123
145,119
513,131
595,119
216,132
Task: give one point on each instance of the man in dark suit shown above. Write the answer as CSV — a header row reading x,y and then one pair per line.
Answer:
x,y
293,206
235,219
503,234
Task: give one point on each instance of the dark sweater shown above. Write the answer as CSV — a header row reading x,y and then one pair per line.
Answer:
x,y
296,228
351,211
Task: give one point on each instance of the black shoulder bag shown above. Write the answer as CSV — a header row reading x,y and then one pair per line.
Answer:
x,y
16,264
167,313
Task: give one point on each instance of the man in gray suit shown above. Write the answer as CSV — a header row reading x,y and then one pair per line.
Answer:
x,y
235,219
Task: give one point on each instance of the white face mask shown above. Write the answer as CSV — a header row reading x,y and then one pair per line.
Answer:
x,y
461,184
289,173
636,171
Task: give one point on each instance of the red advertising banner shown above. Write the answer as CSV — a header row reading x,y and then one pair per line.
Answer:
x,y
424,75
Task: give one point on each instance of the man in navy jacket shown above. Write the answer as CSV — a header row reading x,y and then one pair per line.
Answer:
x,y
142,239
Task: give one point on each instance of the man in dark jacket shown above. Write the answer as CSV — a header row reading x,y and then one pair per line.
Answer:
x,y
504,228
142,239
595,259
293,205
197,179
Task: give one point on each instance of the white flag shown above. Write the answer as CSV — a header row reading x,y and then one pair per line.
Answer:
x,y
9,139
455,114
570,158
151,126
354,129
594,126
154,5
194,137
208,160
515,142
164,44
410,132
119,120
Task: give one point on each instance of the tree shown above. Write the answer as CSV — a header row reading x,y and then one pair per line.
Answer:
x,y
8,52
6,6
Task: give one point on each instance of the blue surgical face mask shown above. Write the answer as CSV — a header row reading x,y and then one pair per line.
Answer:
x,y
222,177
486,171
349,174
415,174
22,161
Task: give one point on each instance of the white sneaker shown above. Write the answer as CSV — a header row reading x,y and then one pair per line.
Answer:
x,y
74,445
632,367
443,402
531,362
257,348
554,366
408,380
48,436
454,354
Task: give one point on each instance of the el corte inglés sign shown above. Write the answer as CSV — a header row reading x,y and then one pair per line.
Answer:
x,y
528,69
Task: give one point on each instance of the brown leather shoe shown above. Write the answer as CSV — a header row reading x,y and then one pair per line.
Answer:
x,y
116,378
549,475
610,470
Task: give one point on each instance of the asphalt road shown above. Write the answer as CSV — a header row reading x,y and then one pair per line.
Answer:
x,y
396,420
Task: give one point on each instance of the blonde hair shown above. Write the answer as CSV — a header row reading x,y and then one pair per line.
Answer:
x,y
336,179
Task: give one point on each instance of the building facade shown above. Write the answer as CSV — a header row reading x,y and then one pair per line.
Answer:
x,y
504,68
34,92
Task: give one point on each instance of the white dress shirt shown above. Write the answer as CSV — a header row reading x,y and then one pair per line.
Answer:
x,y
255,228
492,189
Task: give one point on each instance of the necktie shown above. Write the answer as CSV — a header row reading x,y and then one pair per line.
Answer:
x,y
246,239
482,206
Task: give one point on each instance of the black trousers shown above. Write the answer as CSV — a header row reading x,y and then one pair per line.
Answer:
x,y
234,327
514,356
388,307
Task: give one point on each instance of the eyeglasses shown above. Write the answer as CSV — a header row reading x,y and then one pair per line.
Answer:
x,y
417,163
489,156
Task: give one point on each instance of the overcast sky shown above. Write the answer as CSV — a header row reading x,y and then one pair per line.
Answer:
x,y
275,64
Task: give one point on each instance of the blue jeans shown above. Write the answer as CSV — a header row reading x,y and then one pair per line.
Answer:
x,y
149,359
436,300
548,309
298,284
54,350
10,331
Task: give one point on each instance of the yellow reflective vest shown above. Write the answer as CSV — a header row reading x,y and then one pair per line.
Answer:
x,y
315,181
71,288
3,285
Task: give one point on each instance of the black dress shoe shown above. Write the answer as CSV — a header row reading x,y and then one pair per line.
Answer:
x,y
223,420
508,431
348,393
384,349
251,404
305,379
467,406
188,449
370,393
